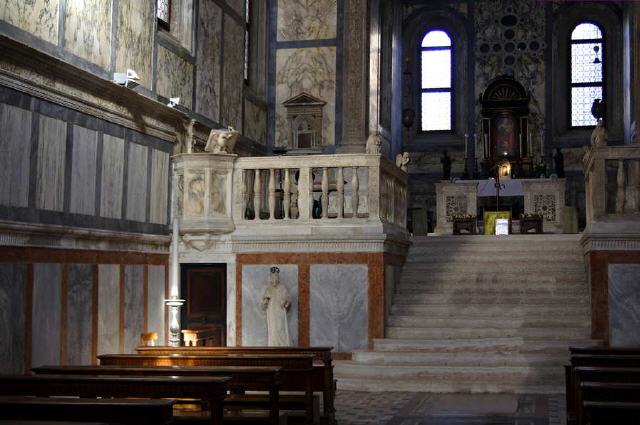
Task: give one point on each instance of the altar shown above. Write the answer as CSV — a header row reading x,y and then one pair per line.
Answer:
x,y
544,196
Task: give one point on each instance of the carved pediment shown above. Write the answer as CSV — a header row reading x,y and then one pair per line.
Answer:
x,y
303,99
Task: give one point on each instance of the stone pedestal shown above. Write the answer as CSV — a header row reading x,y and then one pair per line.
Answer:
x,y
545,197
454,198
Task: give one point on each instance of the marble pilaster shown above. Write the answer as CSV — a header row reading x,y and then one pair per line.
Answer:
x,y
51,168
46,321
133,298
155,302
15,134
112,175
12,296
83,171
79,314
159,187
108,309
137,182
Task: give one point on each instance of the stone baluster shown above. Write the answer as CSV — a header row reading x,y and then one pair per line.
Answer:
x,y
340,188
355,188
620,193
272,193
286,198
325,192
257,191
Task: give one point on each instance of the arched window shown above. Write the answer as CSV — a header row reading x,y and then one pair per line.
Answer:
x,y
436,92
587,58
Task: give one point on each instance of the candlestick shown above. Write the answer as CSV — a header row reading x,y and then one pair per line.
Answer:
x,y
174,302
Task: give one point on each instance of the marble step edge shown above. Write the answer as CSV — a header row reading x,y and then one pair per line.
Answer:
x,y
482,289
492,268
488,310
352,368
483,359
476,387
509,344
523,256
520,323
462,333
495,299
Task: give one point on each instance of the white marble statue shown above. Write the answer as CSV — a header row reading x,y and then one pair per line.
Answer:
x,y
221,140
184,137
402,161
276,301
599,136
374,143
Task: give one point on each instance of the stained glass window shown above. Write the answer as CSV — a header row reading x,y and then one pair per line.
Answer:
x,y
163,12
587,56
435,82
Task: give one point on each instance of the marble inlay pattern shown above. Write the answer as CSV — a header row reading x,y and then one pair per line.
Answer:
x,y
339,306
306,19
12,292
159,186
79,317
254,323
255,122
83,171
175,77
133,288
87,30
155,302
134,38
15,134
137,182
39,17
112,175
108,309
46,320
233,69
624,305
311,70
50,173
208,60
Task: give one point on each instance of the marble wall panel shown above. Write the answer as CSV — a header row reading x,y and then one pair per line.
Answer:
x,y
52,136
208,64
38,17
12,293
133,299
83,171
218,204
79,314
307,19
231,304
155,302
311,70
624,305
175,77
237,5
112,175
233,71
181,21
137,182
46,321
339,305
254,323
87,30
255,122
159,186
134,38
108,309
15,148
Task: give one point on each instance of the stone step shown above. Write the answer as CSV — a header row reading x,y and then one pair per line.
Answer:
x,y
551,240
463,359
508,300
491,310
483,323
416,257
465,333
474,267
465,387
480,345
497,289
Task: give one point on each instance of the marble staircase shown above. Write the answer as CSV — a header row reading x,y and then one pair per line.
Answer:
x,y
479,314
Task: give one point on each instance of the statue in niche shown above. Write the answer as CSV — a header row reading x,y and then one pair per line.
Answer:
x,y
374,143
402,161
221,140
276,301
558,163
445,160
599,136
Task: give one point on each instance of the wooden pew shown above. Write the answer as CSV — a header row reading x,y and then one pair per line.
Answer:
x,y
322,369
295,374
243,378
122,411
210,390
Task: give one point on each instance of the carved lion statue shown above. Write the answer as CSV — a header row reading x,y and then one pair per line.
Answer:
x,y
221,140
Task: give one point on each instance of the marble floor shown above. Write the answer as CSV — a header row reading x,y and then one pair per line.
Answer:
x,y
399,408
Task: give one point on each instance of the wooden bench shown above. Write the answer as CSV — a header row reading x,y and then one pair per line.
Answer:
x,y
322,379
243,378
295,374
122,411
211,390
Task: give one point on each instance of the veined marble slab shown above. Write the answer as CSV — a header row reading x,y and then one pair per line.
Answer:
x,y
46,320
307,19
83,171
133,299
208,64
255,122
135,38
339,305
137,182
79,314
624,305
38,17
155,302
237,5
254,322
159,187
12,293
108,309
175,77
231,304
15,148
181,21
112,175
87,30
52,148
233,69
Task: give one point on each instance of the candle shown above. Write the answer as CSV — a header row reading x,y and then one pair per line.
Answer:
x,y
476,148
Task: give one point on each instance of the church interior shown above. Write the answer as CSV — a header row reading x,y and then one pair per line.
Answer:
x,y
320,211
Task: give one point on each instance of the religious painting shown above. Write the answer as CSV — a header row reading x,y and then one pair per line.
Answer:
x,y
505,136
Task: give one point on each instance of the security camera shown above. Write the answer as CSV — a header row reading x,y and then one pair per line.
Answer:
x,y
129,79
173,101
